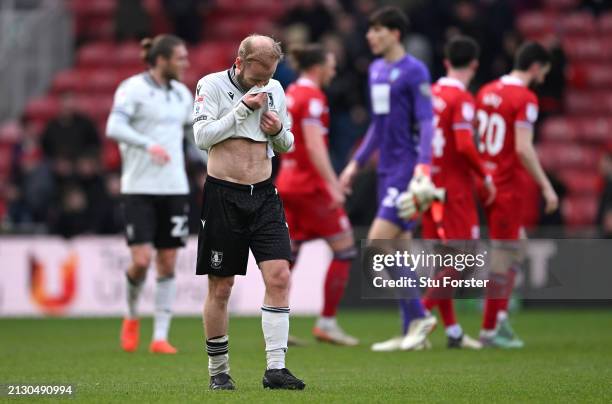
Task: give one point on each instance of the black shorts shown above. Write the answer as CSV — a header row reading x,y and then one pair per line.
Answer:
x,y
237,217
159,219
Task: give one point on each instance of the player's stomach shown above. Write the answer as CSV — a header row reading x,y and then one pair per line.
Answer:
x,y
240,160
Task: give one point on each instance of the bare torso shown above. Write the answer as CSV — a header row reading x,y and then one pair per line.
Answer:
x,y
240,160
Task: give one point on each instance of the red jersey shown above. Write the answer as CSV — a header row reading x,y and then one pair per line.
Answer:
x,y
306,104
501,107
454,113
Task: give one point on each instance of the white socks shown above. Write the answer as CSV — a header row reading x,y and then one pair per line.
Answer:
x,y
454,331
164,298
133,293
218,355
327,323
275,326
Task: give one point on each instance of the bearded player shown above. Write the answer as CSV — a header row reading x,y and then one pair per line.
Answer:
x,y
506,113
401,129
455,161
311,193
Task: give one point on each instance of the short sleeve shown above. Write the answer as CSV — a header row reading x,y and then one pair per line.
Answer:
x,y
125,100
314,107
528,109
463,114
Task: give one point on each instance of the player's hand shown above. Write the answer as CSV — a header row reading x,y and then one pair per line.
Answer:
x,y
491,190
551,200
406,205
255,101
336,194
158,154
348,176
270,123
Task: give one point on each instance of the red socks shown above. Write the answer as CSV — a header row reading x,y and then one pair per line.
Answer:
x,y
498,295
335,282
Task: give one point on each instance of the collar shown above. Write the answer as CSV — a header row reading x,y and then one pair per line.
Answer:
x,y
151,81
451,82
231,74
507,79
306,82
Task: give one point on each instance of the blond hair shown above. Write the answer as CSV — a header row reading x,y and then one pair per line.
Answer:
x,y
260,48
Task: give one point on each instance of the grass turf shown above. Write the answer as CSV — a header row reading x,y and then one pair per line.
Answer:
x,y
568,358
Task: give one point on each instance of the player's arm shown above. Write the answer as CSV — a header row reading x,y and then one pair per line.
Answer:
x,y
529,158
283,140
317,152
362,156
120,129
208,127
423,113
463,131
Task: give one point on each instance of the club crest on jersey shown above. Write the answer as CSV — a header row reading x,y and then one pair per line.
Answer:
x,y
271,105
394,74
216,259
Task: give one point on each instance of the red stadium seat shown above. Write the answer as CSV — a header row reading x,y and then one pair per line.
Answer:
x,y
580,182
97,54
42,109
128,54
92,7
587,49
96,107
560,4
605,23
596,129
594,75
555,156
594,102
557,129
535,23
579,210
578,23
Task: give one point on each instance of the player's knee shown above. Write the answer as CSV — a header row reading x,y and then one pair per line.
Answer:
x,y
220,289
279,278
165,262
142,258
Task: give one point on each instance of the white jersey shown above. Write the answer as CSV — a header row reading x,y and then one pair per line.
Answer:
x,y
145,113
219,114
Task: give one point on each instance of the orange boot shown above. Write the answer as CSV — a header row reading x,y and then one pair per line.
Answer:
x,y
130,331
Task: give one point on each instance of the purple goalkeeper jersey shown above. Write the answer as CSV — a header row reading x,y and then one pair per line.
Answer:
x,y
401,116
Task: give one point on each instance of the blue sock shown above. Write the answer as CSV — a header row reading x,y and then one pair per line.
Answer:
x,y
410,309
409,299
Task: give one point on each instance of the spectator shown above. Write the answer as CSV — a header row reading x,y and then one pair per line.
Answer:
x,y
315,14
187,16
132,21
68,136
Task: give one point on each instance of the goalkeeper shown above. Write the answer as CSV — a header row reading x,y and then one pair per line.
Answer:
x,y
401,130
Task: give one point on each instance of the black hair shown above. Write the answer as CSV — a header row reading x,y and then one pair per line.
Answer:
x,y
304,57
392,18
161,45
530,53
461,51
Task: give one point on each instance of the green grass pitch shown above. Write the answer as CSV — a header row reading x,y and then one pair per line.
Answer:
x,y
568,358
